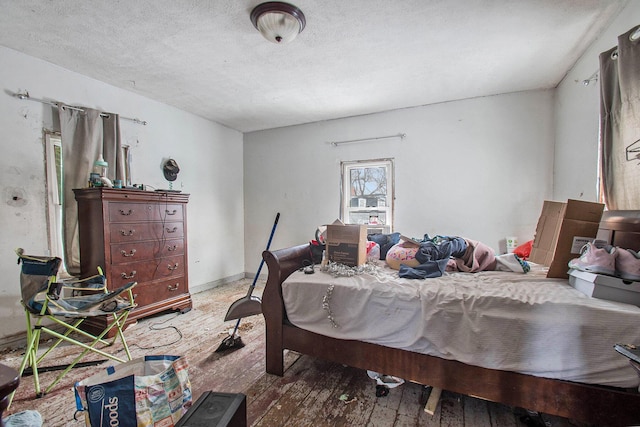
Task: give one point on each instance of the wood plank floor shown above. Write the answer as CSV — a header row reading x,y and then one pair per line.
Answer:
x,y
312,392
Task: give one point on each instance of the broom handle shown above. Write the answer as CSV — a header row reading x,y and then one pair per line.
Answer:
x,y
235,328
255,279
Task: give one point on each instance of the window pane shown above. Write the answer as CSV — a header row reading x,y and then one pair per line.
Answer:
x,y
53,156
58,158
126,152
373,217
369,181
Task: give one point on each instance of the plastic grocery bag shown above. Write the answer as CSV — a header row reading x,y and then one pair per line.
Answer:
x,y
148,391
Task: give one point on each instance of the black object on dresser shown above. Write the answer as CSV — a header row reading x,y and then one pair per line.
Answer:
x,y
137,236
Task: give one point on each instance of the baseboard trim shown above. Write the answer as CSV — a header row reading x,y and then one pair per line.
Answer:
x,y
214,284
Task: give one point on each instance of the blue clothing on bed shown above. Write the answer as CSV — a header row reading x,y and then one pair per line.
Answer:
x,y
386,241
433,256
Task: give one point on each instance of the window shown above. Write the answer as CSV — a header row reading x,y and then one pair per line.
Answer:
x,y
54,191
126,152
53,157
367,194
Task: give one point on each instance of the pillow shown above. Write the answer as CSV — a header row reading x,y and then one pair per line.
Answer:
x,y
403,253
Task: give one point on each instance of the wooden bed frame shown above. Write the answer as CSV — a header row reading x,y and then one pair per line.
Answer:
x,y
592,404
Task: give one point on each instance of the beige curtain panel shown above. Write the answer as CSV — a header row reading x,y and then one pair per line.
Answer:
x,y
85,134
620,123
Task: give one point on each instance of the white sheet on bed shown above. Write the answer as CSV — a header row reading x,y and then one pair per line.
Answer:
x,y
509,321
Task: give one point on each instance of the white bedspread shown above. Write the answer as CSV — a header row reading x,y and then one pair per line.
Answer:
x,y
509,321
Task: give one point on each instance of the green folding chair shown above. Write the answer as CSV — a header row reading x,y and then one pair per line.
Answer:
x,y
58,309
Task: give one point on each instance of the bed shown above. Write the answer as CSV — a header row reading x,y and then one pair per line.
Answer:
x,y
593,385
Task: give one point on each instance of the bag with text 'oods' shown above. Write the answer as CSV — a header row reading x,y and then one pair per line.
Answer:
x,y
148,391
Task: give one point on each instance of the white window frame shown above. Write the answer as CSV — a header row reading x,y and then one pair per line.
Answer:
x,y
52,142
345,198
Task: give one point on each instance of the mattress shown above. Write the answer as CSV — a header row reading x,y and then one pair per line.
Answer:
x,y
500,320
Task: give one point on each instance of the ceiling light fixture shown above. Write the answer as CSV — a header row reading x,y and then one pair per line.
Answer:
x,y
278,22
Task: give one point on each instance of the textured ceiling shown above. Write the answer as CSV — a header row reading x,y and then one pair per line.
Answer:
x,y
354,56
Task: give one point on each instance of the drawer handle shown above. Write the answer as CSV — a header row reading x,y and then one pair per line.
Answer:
x,y
127,233
173,212
130,276
172,267
172,248
173,230
122,212
172,288
130,254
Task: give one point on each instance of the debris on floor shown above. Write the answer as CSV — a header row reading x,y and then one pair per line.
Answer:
x,y
345,398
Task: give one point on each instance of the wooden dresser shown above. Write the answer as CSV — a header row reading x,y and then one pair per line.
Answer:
x,y
140,236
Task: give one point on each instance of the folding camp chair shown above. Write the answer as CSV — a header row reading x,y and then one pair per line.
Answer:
x,y
59,308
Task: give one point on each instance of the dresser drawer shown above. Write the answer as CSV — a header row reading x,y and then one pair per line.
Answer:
x,y
149,293
129,211
137,251
136,232
146,271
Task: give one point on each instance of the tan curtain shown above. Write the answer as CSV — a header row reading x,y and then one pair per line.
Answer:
x,y
620,124
112,147
84,135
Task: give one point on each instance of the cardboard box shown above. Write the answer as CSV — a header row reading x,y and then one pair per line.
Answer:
x,y
621,227
347,243
605,287
562,230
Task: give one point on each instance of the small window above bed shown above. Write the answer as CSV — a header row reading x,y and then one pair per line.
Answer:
x,y
367,194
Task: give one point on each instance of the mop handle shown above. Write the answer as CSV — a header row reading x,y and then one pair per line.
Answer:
x,y
255,279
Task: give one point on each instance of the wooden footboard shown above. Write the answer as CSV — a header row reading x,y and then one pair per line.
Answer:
x,y
591,404
281,264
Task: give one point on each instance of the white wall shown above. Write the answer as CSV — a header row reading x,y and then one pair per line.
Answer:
x,y
478,168
577,115
209,156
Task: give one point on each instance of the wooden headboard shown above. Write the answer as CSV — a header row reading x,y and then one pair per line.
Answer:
x,y
621,228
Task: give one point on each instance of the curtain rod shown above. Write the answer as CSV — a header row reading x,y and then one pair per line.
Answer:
x,y
25,95
592,78
399,135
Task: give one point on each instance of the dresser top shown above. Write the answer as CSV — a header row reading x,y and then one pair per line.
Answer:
x,y
122,194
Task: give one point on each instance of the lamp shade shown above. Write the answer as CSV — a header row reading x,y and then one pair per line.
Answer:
x,y
278,22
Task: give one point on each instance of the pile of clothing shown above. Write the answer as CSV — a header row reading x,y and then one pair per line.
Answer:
x,y
433,256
